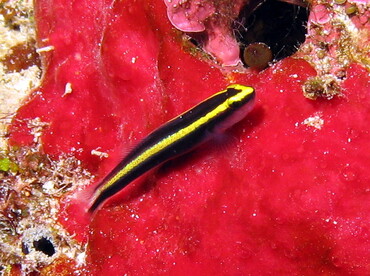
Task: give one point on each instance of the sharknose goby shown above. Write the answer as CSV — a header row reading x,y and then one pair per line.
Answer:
x,y
176,137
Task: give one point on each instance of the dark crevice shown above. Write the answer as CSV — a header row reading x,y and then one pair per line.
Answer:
x,y
279,25
45,246
25,248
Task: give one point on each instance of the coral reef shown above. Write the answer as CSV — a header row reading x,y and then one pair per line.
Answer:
x,y
285,191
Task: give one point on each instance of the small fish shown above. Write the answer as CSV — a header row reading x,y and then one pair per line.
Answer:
x,y
178,136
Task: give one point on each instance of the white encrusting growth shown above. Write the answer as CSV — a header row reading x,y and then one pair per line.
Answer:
x,y
101,154
67,89
45,49
314,121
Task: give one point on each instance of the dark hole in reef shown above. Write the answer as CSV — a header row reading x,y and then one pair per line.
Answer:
x,y
45,246
16,27
25,248
280,25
